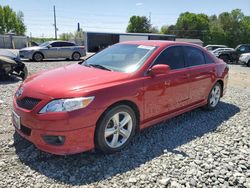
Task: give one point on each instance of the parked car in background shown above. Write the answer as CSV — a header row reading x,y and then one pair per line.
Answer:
x,y
233,55
217,51
245,59
102,102
10,64
52,50
214,47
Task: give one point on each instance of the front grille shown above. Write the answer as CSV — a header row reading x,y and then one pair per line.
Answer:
x,y
25,130
27,102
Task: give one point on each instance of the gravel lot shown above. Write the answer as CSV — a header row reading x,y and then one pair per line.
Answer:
x,y
196,149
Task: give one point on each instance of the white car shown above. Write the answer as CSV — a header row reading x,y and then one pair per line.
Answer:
x,y
217,51
215,46
245,59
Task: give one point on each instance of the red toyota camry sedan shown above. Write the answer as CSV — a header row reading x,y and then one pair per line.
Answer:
x,y
102,101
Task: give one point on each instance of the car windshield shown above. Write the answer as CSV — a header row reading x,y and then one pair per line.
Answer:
x,y
45,44
121,57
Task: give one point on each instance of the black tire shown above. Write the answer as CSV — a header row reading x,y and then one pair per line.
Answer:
x,y
225,58
101,141
24,73
248,63
210,105
76,56
37,56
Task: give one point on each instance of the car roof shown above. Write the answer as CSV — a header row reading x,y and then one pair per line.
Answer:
x,y
160,43
60,41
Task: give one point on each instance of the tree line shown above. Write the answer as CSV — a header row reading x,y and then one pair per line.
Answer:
x,y
11,21
229,28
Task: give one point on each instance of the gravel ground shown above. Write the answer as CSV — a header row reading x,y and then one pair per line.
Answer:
x,y
196,149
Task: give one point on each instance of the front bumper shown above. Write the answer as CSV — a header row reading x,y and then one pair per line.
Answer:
x,y
76,141
25,54
77,127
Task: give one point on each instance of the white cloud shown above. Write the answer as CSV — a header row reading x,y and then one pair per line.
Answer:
x,y
139,4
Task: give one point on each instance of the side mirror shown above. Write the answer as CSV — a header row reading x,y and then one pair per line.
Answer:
x,y
49,46
159,69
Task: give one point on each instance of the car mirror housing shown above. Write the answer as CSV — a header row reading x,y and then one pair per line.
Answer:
x,y
159,69
49,46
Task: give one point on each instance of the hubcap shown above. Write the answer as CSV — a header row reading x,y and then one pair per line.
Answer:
x,y
76,56
215,96
118,129
38,57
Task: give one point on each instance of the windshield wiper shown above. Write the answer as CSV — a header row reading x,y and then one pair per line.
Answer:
x,y
98,66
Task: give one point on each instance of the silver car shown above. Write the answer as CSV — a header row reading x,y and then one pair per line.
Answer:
x,y
53,49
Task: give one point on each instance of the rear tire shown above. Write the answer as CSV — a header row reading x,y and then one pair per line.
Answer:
x,y
115,129
225,58
37,56
248,63
214,97
76,56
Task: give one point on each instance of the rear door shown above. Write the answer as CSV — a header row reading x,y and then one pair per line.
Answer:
x,y
202,73
65,50
169,92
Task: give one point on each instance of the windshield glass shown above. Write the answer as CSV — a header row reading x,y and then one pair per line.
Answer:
x,y
45,44
121,57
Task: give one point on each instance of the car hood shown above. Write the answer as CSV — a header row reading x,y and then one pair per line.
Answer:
x,y
13,54
32,48
71,80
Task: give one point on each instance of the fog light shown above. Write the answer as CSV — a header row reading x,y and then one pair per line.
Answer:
x,y
54,140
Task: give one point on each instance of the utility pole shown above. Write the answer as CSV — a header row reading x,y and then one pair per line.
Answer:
x,y
78,26
149,17
55,22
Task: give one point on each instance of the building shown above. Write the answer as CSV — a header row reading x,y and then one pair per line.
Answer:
x,y
194,41
95,41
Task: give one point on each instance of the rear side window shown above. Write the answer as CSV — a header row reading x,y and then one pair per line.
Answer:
x,y
194,56
55,44
173,57
208,58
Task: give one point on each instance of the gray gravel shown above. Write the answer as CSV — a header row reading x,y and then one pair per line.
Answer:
x,y
196,149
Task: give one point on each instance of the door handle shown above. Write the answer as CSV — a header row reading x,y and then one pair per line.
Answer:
x,y
167,83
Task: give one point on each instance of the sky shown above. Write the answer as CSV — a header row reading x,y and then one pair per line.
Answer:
x,y
111,15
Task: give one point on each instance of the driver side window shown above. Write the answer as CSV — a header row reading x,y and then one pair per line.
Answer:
x,y
173,57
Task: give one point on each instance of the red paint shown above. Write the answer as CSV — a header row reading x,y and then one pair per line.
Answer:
x,y
157,96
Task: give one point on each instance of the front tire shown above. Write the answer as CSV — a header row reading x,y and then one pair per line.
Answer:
x,y
214,97
24,73
37,57
115,129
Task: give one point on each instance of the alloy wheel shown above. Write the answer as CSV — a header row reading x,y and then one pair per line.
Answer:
x,y
118,129
215,96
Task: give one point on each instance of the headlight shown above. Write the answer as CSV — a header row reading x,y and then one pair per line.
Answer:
x,y
66,105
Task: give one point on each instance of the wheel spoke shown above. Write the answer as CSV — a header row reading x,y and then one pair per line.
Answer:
x,y
115,119
109,132
125,133
212,101
125,120
114,141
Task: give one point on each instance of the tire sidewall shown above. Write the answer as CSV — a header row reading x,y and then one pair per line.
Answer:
x,y
209,107
34,56
100,129
74,57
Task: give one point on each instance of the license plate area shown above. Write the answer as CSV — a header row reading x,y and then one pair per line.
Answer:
x,y
16,120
